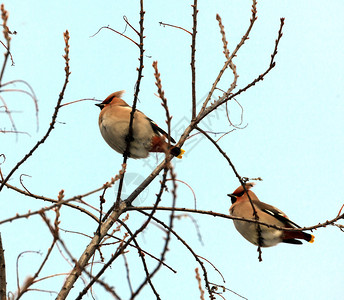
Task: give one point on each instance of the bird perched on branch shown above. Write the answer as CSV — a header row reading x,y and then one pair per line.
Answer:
x,y
241,207
147,136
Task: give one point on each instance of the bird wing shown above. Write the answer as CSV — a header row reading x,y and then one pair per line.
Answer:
x,y
157,129
276,213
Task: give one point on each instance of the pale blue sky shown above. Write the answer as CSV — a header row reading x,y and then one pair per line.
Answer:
x,y
294,138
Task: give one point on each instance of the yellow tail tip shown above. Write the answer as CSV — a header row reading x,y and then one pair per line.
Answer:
x,y
180,156
312,239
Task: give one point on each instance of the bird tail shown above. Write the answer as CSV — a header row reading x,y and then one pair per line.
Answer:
x,y
177,152
291,236
159,145
311,238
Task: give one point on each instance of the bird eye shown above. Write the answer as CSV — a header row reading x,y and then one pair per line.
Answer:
x,y
233,198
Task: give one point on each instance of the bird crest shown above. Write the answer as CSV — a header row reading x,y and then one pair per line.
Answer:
x,y
117,94
240,190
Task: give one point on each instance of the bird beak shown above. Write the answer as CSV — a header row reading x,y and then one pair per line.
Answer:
x,y
100,105
233,198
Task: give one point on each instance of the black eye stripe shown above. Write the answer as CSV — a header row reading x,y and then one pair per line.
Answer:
x,y
239,194
107,101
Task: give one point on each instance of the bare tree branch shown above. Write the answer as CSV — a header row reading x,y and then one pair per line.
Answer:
x,y
193,60
259,230
53,119
107,27
205,274
2,272
119,237
6,31
129,137
229,60
199,284
174,26
54,230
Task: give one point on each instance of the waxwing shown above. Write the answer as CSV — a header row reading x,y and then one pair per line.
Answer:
x,y
148,137
241,207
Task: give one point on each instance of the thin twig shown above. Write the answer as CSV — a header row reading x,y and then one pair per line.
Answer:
x,y
139,249
167,240
193,60
9,52
224,40
54,231
165,24
145,267
40,211
261,77
227,216
66,202
119,250
226,53
126,21
204,111
108,27
259,231
17,266
54,116
168,236
2,272
8,112
216,269
89,252
129,137
194,221
192,191
128,276
32,95
205,275
199,284
80,100
215,286
229,60
6,31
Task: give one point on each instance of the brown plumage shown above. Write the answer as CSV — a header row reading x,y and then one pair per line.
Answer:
x,y
268,214
147,136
